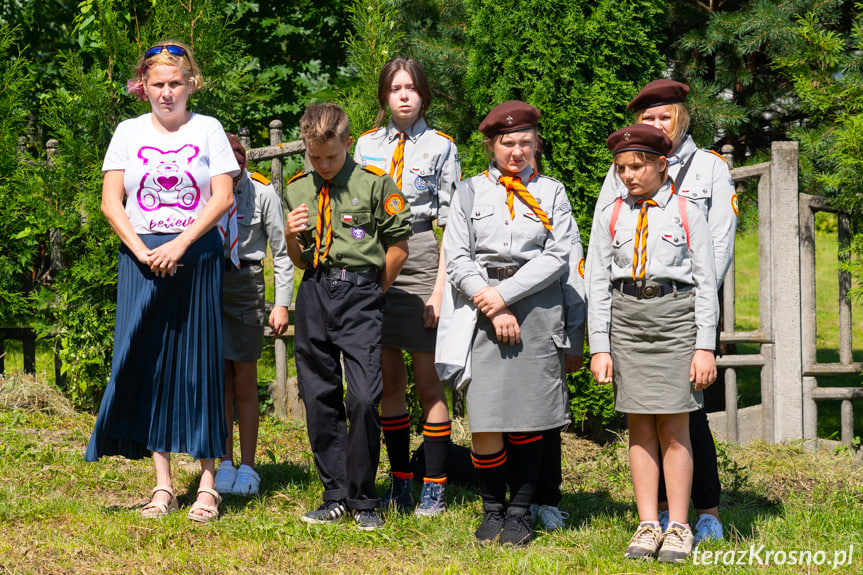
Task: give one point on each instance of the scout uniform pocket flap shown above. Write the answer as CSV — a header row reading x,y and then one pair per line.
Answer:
x,y
621,240
481,211
354,219
674,236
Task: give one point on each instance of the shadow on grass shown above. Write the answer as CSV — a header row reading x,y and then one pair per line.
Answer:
x,y
585,506
742,510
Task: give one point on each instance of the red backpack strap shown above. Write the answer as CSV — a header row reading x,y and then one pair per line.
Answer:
x,y
684,216
615,212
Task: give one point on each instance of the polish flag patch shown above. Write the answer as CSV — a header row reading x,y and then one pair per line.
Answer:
x,y
347,218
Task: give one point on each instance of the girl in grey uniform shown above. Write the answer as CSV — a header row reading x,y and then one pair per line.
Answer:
x,y
652,312
425,166
702,176
506,247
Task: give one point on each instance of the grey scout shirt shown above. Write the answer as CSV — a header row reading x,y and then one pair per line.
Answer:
x,y
368,214
260,218
668,259
543,256
431,166
574,295
708,182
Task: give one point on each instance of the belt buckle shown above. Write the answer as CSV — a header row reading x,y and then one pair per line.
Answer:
x,y
649,292
509,271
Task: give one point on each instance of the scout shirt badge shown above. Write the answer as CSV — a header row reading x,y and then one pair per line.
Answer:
x,y
393,204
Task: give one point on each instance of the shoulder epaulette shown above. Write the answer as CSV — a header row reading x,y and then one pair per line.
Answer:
x,y
447,136
375,170
260,178
296,176
372,131
718,154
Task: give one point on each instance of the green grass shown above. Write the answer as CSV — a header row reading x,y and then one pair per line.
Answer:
x,y
59,514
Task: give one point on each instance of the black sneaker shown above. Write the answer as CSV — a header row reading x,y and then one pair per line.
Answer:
x,y
328,512
367,519
517,530
399,495
489,530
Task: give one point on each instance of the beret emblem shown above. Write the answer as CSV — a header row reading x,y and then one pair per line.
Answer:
x,y
509,120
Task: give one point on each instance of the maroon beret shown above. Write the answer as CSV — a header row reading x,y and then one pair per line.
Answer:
x,y
659,93
511,116
640,138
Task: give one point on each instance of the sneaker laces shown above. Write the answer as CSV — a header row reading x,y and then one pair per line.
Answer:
x,y
644,536
674,536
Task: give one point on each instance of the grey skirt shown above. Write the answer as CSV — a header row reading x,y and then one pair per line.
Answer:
x,y
405,301
520,387
652,346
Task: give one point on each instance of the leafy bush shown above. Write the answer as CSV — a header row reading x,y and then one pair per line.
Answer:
x,y
21,239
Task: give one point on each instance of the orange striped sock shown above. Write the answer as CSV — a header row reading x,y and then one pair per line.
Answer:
x,y
436,437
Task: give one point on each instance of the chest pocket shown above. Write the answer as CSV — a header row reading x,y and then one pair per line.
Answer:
x,y
535,229
699,194
355,220
672,248
424,178
482,220
248,218
621,249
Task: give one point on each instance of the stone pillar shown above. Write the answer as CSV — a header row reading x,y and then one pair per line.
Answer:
x,y
784,252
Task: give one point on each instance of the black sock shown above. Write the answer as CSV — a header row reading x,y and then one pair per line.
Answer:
x,y
524,451
397,436
436,437
491,476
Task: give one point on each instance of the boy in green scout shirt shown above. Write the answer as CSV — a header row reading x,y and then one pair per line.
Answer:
x,y
348,228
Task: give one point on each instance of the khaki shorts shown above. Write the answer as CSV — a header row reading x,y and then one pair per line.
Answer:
x,y
243,312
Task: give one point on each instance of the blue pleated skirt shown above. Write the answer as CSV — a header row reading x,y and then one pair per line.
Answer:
x,y
166,392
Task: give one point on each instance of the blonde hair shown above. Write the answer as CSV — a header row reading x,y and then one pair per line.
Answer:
x,y
647,158
186,63
679,122
323,122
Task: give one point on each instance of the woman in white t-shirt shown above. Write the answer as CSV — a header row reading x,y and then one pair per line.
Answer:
x,y
174,170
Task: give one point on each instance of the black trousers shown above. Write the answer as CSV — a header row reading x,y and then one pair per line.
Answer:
x,y
705,472
337,319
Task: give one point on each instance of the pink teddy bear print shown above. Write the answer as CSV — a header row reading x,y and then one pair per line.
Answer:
x,y
167,181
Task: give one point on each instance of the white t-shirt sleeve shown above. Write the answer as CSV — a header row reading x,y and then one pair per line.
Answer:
x,y
117,156
222,158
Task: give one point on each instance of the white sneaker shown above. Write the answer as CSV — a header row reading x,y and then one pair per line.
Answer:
x,y
552,518
247,482
226,474
663,520
708,527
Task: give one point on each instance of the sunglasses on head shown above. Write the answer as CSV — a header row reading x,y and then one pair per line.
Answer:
x,y
171,48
